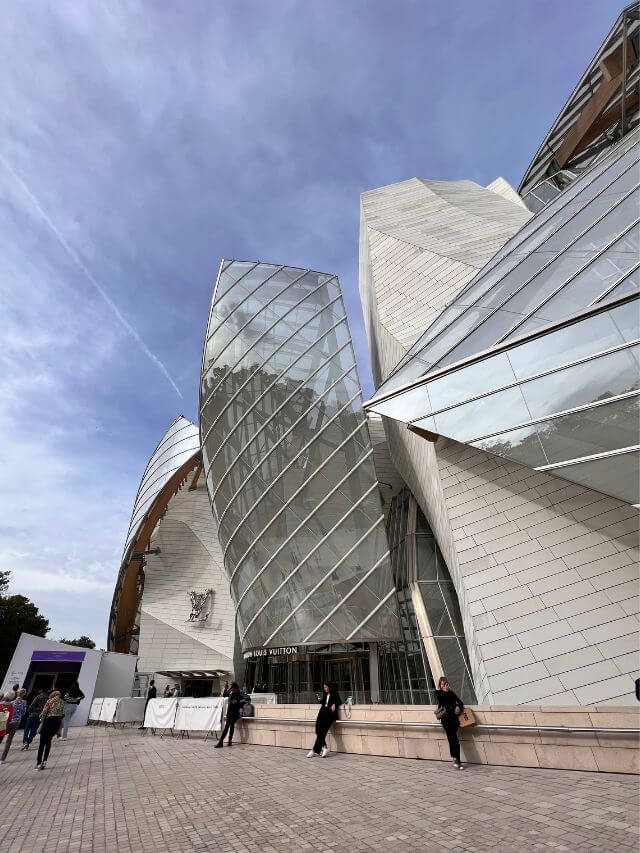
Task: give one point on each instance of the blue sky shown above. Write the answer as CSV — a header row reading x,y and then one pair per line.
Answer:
x,y
142,142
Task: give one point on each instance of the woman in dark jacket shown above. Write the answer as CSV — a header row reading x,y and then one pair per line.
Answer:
x,y
453,707
328,713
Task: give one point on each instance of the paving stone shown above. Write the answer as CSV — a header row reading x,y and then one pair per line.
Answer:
x,y
119,791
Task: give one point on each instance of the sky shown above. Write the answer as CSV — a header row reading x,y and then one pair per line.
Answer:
x,y
140,143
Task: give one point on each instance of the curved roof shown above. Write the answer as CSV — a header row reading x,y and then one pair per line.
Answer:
x,y
179,443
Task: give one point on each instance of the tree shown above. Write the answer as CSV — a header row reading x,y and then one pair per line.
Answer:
x,y
17,615
83,641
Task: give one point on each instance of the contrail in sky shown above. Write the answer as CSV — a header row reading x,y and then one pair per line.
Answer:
x,y
88,274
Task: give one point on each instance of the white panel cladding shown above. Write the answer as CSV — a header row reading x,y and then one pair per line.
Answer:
x,y
504,188
420,243
551,564
190,559
389,480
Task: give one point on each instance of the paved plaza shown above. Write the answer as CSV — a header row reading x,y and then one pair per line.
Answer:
x,y
106,790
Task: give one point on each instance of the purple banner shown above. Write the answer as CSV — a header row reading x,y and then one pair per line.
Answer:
x,y
49,655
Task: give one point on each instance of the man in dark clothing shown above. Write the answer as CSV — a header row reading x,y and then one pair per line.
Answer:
x,y
235,702
151,694
33,718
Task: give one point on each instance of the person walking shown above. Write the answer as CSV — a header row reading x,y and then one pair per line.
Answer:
x,y
19,706
151,694
72,698
327,715
51,717
452,707
6,712
33,717
234,706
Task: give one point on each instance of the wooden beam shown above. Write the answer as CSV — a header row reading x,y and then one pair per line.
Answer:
x,y
591,122
126,604
424,433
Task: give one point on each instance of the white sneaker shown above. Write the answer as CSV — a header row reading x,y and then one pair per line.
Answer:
x,y
64,738
325,752
312,754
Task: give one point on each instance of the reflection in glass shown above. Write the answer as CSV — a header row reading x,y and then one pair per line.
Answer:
x,y
617,475
280,396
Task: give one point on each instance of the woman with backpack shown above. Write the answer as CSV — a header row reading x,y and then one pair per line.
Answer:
x,y
51,717
448,711
327,715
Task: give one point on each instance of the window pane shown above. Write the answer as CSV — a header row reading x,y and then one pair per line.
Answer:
x,y
485,416
521,445
618,476
609,427
595,380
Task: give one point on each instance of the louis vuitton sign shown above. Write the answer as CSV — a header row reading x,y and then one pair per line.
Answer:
x,y
269,653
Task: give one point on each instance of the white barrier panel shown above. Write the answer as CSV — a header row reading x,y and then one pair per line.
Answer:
x,y
130,710
108,710
264,699
199,715
96,708
161,714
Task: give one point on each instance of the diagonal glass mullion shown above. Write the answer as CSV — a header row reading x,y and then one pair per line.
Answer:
x,y
319,543
414,353
280,440
260,337
272,415
310,554
560,287
285,505
286,468
279,269
279,376
253,316
346,597
612,287
370,616
215,300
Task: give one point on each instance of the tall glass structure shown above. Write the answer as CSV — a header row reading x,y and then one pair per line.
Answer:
x,y
289,464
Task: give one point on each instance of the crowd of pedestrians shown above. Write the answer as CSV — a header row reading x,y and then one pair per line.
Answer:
x,y
49,714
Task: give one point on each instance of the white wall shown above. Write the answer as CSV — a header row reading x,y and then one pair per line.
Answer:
x,y
86,679
115,676
190,558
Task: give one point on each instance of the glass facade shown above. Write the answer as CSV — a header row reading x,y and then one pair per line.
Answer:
x,y
573,253
288,461
433,641
538,359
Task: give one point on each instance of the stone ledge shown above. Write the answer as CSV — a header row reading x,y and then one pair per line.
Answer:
x,y
292,726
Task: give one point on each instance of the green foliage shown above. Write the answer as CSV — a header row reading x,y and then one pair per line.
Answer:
x,y
17,615
83,641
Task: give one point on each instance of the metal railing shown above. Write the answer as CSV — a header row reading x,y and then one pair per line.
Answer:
x,y
419,725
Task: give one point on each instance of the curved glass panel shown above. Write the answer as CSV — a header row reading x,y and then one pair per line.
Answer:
x,y
288,461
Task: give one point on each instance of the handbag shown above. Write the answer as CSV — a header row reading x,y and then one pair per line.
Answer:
x,y
439,712
466,718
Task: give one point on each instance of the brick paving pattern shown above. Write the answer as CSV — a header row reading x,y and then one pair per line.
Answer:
x,y
106,790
